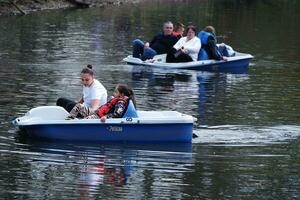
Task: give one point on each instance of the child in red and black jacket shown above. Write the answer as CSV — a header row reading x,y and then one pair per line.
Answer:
x,y
114,108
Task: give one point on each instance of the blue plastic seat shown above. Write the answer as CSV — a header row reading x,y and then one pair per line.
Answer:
x,y
202,55
131,111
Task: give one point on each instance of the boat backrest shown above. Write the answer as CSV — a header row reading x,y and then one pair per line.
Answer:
x,y
131,111
202,55
48,112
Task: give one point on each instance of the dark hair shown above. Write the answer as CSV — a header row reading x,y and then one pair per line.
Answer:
x,y
191,27
124,89
210,29
88,70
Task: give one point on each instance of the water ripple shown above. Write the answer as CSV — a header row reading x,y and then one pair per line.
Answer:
x,y
237,134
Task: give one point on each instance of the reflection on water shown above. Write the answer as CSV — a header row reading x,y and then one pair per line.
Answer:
x,y
247,122
214,89
103,169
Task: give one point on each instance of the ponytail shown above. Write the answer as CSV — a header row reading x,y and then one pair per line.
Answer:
x,y
131,96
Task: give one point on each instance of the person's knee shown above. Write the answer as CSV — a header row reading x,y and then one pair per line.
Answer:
x,y
60,101
149,52
137,43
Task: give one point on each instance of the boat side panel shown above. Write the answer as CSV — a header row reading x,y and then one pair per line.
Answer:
x,y
238,66
113,132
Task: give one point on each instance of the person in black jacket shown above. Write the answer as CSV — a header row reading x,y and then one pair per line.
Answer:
x,y
160,44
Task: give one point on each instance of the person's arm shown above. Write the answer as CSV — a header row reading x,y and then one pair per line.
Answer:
x,y
120,108
97,95
178,44
193,47
155,38
94,104
80,100
146,45
214,50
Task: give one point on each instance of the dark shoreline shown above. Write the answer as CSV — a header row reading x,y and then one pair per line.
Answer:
x,y
23,7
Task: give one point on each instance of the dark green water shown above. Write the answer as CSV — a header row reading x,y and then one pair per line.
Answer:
x,y
248,124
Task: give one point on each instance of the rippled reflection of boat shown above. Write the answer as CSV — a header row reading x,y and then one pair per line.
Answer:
x,y
94,164
238,62
49,122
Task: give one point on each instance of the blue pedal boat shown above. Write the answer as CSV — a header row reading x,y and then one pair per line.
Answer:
x,y
239,62
48,122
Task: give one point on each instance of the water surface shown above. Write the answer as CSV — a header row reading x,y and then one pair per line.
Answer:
x,y
247,124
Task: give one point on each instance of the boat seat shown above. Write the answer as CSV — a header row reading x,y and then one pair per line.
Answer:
x,y
202,55
131,111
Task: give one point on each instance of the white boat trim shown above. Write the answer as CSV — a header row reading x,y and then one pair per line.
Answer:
x,y
46,115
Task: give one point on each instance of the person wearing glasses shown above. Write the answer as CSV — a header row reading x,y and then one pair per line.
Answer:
x,y
94,93
160,44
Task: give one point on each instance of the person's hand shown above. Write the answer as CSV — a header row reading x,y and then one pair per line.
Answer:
x,y
103,119
146,45
225,58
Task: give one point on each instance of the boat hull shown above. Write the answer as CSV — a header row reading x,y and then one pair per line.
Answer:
x,y
236,64
112,132
48,122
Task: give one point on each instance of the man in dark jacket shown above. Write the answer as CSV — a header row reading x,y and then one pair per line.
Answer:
x,y
160,44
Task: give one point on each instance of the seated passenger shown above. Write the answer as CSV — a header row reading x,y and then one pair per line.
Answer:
x,y
94,93
178,30
114,108
186,49
209,48
160,44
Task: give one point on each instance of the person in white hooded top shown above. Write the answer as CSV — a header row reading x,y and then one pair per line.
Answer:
x,y
186,49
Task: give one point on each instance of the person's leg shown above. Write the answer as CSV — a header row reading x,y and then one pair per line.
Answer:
x,y
184,58
149,53
66,104
93,116
138,48
79,110
170,56
74,112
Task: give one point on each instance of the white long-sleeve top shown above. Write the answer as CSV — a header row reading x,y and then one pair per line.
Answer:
x,y
192,46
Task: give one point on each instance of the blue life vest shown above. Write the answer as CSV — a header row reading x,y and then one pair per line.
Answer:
x,y
202,55
204,36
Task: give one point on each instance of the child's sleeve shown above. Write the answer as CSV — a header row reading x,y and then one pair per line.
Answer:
x,y
118,111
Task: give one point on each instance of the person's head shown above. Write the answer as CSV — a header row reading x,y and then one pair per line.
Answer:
x,y
179,28
87,75
168,28
122,90
191,32
210,29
